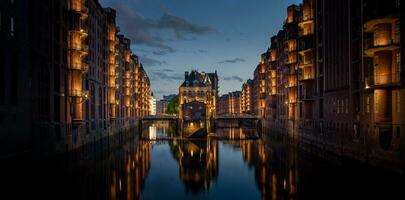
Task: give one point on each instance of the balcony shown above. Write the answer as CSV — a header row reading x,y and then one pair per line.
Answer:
x,y
382,81
113,62
82,48
111,84
78,6
81,30
84,67
291,58
306,28
290,45
79,93
305,20
113,74
273,90
306,64
306,73
305,43
370,24
292,81
292,100
371,46
111,47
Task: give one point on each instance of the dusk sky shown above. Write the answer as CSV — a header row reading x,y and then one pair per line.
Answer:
x,y
173,36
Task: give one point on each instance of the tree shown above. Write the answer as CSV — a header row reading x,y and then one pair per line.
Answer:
x,y
173,106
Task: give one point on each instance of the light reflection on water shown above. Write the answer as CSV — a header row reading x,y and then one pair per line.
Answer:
x,y
236,168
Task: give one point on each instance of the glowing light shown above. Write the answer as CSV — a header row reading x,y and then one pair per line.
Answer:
x,y
285,183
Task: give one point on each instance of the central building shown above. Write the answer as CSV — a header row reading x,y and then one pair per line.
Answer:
x,y
198,96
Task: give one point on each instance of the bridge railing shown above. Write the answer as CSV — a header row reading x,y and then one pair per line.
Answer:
x,y
161,116
237,116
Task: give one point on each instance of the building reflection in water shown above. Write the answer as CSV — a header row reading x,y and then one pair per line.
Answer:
x,y
125,173
198,163
159,130
122,174
275,171
195,128
236,133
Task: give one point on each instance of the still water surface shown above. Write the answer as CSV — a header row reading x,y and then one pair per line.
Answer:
x,y
158,168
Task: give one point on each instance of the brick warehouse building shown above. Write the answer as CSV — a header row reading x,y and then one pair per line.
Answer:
x,y
62,72
334,79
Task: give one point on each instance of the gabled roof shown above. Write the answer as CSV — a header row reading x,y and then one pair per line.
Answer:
x,y
196,79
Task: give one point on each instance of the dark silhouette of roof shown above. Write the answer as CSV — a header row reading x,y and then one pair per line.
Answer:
x,y
197,79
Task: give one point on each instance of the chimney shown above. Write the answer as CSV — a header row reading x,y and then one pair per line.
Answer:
x,y
186,75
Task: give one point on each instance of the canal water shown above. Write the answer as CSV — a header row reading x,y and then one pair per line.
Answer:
x,y
158,164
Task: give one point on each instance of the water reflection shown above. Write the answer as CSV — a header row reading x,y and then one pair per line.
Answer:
x,y
275,174
198,165
198,162
236,133
159,130
125,173
215,169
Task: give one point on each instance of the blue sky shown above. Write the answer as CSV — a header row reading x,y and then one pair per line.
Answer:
x,y
173,36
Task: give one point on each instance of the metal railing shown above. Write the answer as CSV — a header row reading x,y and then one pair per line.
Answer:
x,y
382,80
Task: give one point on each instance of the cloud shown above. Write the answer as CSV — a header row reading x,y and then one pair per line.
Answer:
x,y
235,60
148,32
160,75
163,52
182,27
150,62
233,78
162,70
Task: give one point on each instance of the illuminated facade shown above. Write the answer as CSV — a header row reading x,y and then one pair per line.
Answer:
x,y
145,92
152,105
271,79
335,81
112,64
290,72
199,87
78,80
383,92
78,50
230,103
247,97
124,84
282,76
259,87
306,72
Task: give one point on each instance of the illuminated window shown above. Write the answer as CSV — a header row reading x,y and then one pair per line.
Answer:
x,y
12,26
376,104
